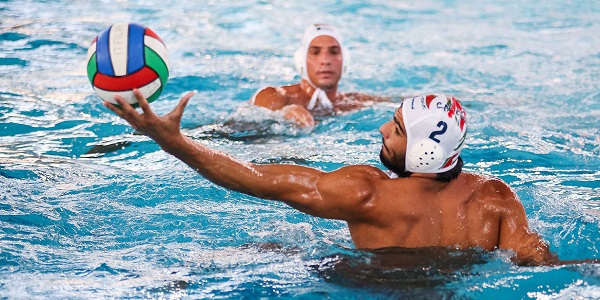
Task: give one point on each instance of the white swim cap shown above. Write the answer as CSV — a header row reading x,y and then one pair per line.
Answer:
x,y
436,128
312,32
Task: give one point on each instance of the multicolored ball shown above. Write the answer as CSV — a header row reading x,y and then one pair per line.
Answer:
x,y
126,56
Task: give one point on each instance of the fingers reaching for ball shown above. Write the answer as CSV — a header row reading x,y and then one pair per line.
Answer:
x,y
116,109
125,111
147,120
144,105
178,111
121,106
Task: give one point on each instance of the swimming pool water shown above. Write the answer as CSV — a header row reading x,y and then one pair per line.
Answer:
x,y
88,209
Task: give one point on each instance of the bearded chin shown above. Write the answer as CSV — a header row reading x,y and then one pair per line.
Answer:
x,y
396,165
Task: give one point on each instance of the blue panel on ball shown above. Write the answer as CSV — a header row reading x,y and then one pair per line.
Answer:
x,y
103,54
135,54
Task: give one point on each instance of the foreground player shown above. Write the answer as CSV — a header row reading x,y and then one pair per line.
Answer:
x,y
431,203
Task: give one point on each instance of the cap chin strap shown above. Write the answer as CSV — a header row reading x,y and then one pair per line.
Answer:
x,y
320,96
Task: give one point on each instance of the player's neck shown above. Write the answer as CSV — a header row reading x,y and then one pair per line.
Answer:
x,y
428,181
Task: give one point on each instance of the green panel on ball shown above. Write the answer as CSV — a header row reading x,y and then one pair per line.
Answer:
x,y
155,95
92,68
154,61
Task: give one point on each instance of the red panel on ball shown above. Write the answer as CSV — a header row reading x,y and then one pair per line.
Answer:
x,y
152,34
123,83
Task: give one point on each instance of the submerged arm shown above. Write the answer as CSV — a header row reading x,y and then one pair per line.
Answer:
x,y
515,234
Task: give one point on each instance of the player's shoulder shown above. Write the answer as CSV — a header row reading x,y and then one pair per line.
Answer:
x,y
358,183
268,91
365,171
493,190
271,97
280,91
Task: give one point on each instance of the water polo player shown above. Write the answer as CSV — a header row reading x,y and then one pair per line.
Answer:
x,y
432,203
321,60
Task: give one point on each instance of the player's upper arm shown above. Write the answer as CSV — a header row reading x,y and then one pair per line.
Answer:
x,y
345,194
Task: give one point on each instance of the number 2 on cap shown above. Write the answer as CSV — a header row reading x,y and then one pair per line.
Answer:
x,y
443,127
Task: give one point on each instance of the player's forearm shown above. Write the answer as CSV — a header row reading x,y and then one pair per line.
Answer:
x,y
216,166
295,185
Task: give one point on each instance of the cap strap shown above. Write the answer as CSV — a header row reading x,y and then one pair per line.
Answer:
x,y
321,96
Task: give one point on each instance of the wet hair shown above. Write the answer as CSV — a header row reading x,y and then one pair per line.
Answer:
x,y
445,176
452,173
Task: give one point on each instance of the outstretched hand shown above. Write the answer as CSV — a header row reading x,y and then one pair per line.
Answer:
x,y
158,128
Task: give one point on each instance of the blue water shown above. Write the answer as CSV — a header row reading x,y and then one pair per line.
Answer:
x,y
88,209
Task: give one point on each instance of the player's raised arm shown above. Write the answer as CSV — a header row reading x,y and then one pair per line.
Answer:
x,y
339,194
